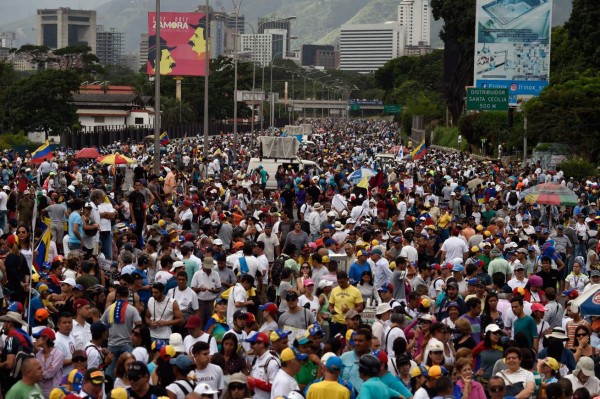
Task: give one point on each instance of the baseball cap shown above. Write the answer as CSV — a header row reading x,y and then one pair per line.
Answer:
x,y
595,273
537,307
418,371
167,352
314,329
472,281
41,314
492,328
95,376
46,332
99,326
386,288
69,281
308,282
352,313
552,363
157,345
240,314
259,337
291,296
289,354
334,364
269,307
435,345
278,334
325,283
137,369
183,363
437,371
458,268
78,304
75,379
193,322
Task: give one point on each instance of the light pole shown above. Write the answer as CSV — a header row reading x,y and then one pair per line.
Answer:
x,y
314,95
272,106
236,9
304,89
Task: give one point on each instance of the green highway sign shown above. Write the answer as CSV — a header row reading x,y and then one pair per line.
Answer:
x,y
487,99
392,109
354,107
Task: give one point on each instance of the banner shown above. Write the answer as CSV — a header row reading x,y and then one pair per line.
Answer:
x,y
182,43
512,47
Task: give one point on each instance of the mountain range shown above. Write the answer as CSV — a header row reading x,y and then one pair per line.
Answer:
x,y
317,21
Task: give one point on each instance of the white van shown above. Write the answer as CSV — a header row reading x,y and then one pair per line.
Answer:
x,y
270,165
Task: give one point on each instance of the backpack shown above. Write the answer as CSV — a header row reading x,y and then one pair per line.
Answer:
x,y
276,270
513,199
26,352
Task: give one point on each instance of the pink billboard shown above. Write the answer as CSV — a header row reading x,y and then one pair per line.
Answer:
x,y
182,43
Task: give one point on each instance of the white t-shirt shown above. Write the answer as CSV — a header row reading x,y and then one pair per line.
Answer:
x,y
175,388
237,294
592,384
283,385
66,344
162,277
314,304
521,375
389,336
211,375
105,224
189,341
454,248
186,299
81,334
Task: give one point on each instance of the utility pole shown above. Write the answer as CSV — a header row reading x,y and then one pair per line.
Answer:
x,y
206,73
157,93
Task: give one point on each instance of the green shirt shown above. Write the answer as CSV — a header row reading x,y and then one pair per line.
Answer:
x,y
23,391
307,373
527,326
374,388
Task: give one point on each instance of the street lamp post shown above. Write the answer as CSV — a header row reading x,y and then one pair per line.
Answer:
x,y
236,9
304,89
272,103
314,95
206,73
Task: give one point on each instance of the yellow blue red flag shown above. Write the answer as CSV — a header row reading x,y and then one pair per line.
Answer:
x,y
42,153
164,139
418,152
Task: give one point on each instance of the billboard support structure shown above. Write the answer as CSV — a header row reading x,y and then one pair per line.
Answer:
x,y
512,47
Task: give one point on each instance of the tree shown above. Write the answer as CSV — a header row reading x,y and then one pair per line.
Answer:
x,y
39,55
42,102
175,112
568,112
583,32
458,35
79,58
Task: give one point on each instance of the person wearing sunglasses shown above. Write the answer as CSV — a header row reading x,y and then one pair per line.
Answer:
x,y
139,379
496,388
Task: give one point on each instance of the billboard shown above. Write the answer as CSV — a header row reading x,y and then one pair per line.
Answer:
x,y
182,43
512,46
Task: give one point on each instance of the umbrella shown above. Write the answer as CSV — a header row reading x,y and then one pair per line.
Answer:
x,y
115,159
589,302
550,194
91,153
396,148
474,183
360,173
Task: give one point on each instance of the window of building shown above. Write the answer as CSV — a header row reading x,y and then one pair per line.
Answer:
x,y
139,121
98,119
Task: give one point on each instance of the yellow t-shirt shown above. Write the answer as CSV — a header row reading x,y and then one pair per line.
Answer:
x,y
349,297
444,220
327,390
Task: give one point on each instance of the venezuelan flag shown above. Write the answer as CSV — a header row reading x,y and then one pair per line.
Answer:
x,y
43,249
164,139
418,152
42,153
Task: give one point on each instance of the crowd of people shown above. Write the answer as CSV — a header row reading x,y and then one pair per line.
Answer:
x,y
435,278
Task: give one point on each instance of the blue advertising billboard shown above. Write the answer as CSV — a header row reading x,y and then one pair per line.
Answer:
x,y
512,47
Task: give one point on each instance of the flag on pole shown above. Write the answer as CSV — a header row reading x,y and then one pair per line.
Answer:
x,y
164,139
43,250
42,153
401,153
418,152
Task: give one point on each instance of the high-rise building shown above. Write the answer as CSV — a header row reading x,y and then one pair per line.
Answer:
x,y
8,40
366,47
278,26
328,59
109,46
309,53
143,50
240,24
263,47
415,18
62,27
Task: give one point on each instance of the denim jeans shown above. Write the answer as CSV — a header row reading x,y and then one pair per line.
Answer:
x,y
3,220
106,244
116,352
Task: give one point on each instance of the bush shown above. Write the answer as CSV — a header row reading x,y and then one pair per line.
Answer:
x,y
9,141
448,137
578,168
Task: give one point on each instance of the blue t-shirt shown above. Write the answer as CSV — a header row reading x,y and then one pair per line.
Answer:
x,y
75,217
374,388
355,272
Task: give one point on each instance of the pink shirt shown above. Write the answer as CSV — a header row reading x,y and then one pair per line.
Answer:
x,y
477,391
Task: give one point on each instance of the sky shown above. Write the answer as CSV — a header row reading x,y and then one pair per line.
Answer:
x,y
13,10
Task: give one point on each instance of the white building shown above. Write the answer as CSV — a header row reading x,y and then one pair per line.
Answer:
x,y
366,47
263,47
62,27
415,17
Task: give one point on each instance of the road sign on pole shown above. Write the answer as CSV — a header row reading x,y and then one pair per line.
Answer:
x,y
487,99
392,109
354,107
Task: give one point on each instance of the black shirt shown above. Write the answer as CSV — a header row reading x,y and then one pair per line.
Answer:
x,y
153,392
136,200
549,278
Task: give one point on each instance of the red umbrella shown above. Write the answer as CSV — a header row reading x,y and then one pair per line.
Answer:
x,y
91,153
